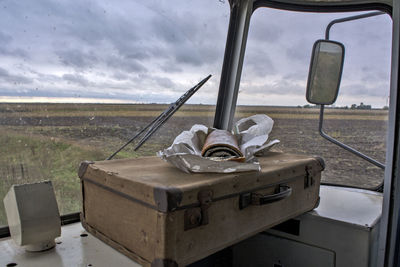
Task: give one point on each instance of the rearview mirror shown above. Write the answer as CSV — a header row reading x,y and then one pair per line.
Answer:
x,y
325,72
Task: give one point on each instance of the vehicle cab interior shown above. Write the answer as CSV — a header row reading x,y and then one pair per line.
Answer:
x,y
325,71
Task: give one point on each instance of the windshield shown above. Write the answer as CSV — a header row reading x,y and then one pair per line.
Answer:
x,y
78,79
275,76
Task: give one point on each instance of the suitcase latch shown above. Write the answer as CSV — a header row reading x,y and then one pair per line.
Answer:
x,y
195,217
309,178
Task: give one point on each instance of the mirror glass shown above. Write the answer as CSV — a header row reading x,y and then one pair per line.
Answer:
x,y
325,72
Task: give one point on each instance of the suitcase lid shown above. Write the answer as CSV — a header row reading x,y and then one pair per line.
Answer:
x,y
161,186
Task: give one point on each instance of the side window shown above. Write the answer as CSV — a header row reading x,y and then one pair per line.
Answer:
x,y
274,81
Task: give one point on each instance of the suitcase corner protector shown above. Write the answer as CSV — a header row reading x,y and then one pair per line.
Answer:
x,y
83,221
83,167
167,198
164,263
316,205
321,161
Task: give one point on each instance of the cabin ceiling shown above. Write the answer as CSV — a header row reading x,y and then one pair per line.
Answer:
x,y
336,2
326,3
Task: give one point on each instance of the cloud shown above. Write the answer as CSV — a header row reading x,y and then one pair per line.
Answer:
x,y
127,65
5,76
300,51
170,67
5,47
133,48
120,76
5,39
14,53
76,58
165,30
265,33
365,89
165,82
76,79
279,86
138,54
186,55
259,64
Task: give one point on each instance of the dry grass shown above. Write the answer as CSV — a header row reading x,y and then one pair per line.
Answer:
x,y
153,110
47,141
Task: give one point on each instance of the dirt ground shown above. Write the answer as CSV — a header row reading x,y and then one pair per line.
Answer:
x,y
98,130
297,135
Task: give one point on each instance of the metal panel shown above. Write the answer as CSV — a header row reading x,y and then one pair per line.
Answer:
x,y
326,5
354,206
389,239
266,250
334,2
73,251
346,223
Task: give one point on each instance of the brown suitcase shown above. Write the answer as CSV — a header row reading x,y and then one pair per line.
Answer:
x,y
161,216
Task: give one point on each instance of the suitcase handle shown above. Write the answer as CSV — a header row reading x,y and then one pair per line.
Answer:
x,y
282,192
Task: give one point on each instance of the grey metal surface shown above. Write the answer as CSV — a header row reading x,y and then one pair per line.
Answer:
x,y
300,254
327,5
73,251
346,223
348,205
336,2
233,61
389,236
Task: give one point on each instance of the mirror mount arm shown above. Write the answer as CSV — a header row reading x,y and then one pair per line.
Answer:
x,y
362,16
344,146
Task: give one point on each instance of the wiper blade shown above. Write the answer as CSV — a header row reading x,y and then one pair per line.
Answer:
x,y
153,126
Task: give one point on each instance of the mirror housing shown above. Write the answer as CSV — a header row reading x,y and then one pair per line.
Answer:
x,y
325,72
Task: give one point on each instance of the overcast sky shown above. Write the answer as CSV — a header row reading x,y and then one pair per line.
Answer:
x,y
153,51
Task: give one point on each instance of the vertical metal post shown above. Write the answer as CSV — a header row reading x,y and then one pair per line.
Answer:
x,y
389,235
239,21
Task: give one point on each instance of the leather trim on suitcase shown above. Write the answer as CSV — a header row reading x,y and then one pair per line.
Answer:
x,y
170,198
164,207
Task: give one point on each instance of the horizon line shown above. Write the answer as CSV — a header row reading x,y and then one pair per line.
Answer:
x,y
88,100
